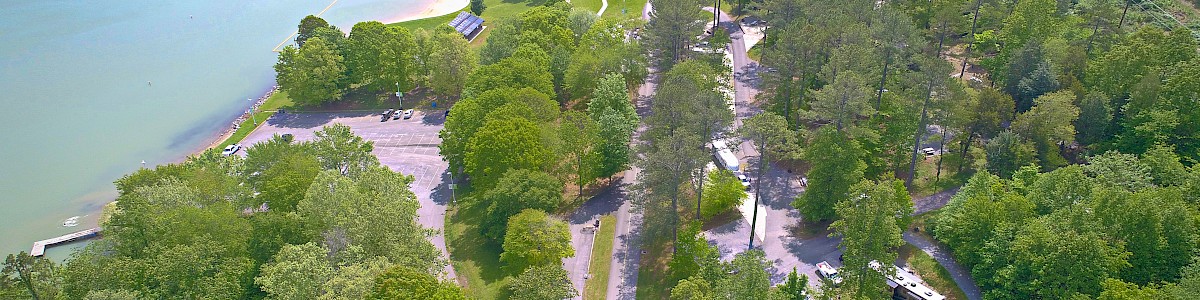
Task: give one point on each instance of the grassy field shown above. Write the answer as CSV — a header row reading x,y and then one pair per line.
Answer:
x,y
652,281
496,10
591,5
624,9
933,273
476,259
596,286
264,112
928,183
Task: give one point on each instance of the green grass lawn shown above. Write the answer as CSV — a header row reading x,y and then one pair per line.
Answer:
x,y
427,23
596,286
476,259
496,10
653,281
927,182
755,52
591,5
275,102
936,276
624,9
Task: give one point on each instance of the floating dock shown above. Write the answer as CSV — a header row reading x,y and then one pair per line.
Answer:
x,y
39,247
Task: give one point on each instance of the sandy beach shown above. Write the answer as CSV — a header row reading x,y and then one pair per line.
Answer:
x,y
436,8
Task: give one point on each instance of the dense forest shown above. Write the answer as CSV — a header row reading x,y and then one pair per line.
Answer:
x,y
1068,132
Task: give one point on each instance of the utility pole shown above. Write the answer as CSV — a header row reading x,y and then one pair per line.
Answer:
x,y
974,21
1123,12
762,166
716,16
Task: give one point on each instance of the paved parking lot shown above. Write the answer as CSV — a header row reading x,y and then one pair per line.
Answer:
x,y
783,247
406,146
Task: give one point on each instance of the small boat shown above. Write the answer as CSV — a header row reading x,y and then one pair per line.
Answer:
x,y
71,222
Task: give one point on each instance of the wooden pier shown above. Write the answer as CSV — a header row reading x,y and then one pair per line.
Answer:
x,y
39,247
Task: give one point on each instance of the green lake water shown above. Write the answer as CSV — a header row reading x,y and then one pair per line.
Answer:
x,y
90,89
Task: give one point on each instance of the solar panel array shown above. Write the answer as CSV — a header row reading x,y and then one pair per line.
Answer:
x,y
466,23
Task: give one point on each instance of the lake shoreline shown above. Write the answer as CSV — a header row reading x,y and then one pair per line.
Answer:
x,y
433,9
217,135
220,137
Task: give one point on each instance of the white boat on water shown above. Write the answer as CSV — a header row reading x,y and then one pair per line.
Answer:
x,y
71,222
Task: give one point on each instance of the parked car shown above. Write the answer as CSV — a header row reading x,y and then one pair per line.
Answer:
x,y
231,149
828,272
745,180
396,115
387,114
408,114
929,151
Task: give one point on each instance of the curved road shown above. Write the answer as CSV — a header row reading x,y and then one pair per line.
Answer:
x,y
959,274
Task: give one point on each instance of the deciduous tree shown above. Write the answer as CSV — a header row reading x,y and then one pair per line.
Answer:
x,y
870,226
535,239
307,25
338,149
375,210
543,283
296,272
405,283
311,75
748,278
724,192
516,191
505,144
580,147
451,61
836,166
1007,152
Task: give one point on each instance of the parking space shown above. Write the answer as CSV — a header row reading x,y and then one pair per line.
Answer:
x,y
408,146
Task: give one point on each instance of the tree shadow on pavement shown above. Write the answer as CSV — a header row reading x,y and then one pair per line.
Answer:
x,y
606,202
441,193
311,120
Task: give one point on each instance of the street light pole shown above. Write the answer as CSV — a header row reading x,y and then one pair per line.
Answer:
x,y
398,97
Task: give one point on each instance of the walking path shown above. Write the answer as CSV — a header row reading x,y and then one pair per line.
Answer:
x,y
960,275
933,202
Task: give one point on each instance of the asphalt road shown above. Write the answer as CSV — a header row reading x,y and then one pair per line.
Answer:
x,y
627,253
406,146
960,275
623,269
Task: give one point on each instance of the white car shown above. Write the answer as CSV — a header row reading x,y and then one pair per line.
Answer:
x,y
408,114
827,271
745,180
929,151
231,149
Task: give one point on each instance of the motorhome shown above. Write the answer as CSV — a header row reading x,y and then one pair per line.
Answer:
x,y
725,158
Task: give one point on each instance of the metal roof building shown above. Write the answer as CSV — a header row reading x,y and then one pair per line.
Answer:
x,y
467,24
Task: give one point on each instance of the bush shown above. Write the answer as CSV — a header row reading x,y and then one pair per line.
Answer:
x,y
723,192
